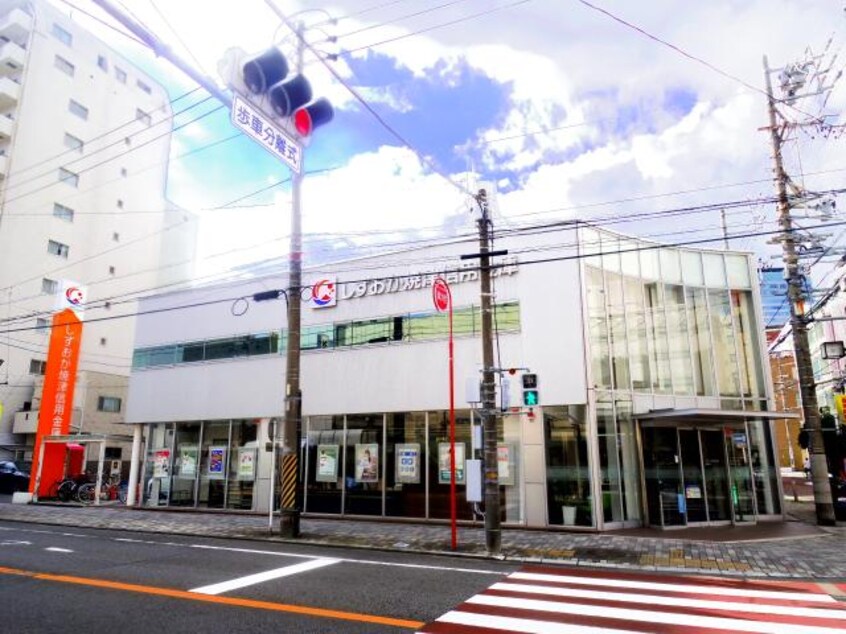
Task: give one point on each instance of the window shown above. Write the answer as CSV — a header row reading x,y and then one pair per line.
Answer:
x,y
64,65
49,286
41,325
108,404
120,203
62,35
111,270
60,211
72,143
142,116
103,341
102,63
123,171
127,140
74,107
37,366
144,87
66,176
120,75
107,305
57,248
116,236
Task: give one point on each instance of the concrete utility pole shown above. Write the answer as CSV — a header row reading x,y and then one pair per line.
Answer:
x,y
798,325
493,530
289,523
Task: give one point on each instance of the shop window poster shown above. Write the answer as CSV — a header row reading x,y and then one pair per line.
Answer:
x,y
408,463
188,461
327,463
217,460
161,463
444,466
367,462
246,463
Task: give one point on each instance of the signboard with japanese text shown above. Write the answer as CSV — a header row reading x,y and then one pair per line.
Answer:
x,y
444,466
505,463
56,410
257,125
246,464
327,463
161,463
408,463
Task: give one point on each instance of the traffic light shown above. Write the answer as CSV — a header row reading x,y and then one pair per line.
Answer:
x,y
276,92
531,395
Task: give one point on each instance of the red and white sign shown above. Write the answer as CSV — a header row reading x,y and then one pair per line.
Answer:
x,y
441,295
324,293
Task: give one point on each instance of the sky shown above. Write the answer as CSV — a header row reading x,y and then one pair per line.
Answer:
x,y
565,108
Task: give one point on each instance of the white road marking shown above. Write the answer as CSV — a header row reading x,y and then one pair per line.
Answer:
x,y
15,542
649,616
261,577
525,626
55,549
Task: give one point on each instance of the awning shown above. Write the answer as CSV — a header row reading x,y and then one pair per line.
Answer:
x,y
713,415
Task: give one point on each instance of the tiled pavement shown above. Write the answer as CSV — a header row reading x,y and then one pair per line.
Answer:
x,y
795,548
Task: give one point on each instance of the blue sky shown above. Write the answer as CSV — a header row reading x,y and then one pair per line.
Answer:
x,y
559,104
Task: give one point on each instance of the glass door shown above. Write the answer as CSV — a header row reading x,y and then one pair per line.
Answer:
x,y
663,477
694,484
716,475
740,475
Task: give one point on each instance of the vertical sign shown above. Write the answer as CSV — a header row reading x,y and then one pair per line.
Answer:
x,y
54,414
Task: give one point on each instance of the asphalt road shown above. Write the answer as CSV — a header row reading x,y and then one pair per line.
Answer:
x,y
56,579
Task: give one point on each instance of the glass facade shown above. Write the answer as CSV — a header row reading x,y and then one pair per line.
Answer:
x,y
669,323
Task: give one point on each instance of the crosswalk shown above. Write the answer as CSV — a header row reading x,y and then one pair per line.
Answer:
x,y
554,600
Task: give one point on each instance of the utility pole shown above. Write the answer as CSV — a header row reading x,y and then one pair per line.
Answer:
x,y
289,522
798,325
493,530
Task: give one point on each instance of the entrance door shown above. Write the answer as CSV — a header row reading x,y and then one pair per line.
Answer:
x,y
716,475
740,471
663,478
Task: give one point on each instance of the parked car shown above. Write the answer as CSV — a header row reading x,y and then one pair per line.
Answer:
x,y
12,479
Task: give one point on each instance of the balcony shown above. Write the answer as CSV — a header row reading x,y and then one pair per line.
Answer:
x,y
12,57
16,26
25,422
10,91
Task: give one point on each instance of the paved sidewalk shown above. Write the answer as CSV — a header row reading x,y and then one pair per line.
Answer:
x,y
796,548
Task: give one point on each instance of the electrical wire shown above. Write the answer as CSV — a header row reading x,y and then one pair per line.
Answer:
x,y
399,19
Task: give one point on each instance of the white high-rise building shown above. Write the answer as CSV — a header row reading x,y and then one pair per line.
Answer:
x,y
84,147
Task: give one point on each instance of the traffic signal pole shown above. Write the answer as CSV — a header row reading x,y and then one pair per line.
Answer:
x,y
493,530
798,325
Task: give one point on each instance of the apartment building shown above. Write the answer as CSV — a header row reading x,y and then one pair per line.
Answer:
x,y
84,147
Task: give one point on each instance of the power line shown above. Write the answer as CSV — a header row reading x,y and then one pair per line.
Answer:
x,y
404,17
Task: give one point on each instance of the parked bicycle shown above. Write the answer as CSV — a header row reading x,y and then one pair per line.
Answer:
x,y
110,490
67,489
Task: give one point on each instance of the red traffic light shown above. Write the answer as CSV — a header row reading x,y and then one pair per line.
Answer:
x,y
313,116
512,371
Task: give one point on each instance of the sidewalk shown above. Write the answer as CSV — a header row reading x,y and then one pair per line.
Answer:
x,y
795,548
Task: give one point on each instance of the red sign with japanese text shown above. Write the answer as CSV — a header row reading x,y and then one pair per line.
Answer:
x,y
56,409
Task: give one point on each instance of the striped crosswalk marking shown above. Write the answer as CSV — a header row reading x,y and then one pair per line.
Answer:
x,y
545,600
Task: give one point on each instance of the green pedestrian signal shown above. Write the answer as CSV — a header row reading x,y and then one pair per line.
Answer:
x,y
530,398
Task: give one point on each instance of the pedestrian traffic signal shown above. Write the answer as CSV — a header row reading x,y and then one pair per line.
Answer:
x,y
280,94
531,395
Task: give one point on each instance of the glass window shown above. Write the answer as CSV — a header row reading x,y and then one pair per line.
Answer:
x,y
725,353
76,108
568,489
629,258
405,479
691,262
639,365
679,346
506,317
600,342
737,269
120,75
215,458
110,404
157,467
186,465
618,327
610,253
617,461
372,331
190,352
317,337
265,343
243,466
325,474
715,270
670,266
102,62
438,463
162,355
764,467
42,325
49,286
144,87
64,65
752,375
73,143
37,366
57,248
62,35
656,325
590,245
427,326
700,342
649,263
66,176
60,211
224,348
364,465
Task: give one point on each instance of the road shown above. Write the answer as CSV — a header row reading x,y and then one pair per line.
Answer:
x,y
58,579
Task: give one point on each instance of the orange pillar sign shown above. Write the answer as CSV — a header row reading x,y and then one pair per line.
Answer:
x,y
56,409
